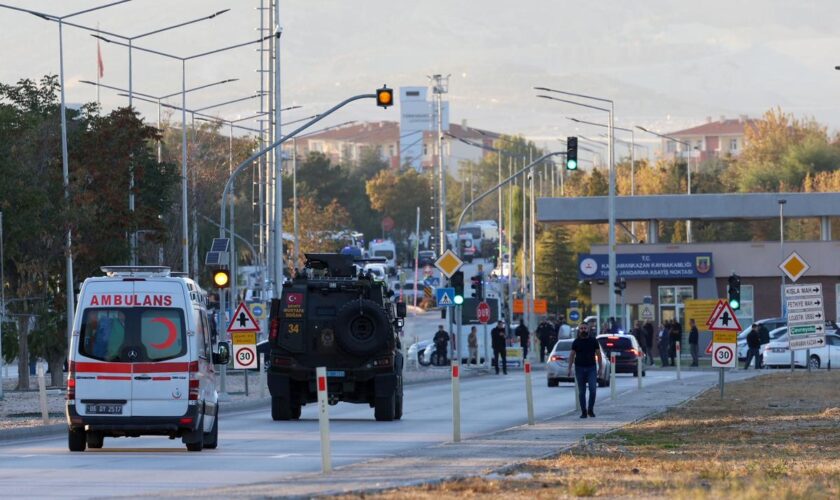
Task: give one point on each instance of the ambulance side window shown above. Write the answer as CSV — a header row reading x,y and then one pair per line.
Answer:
x,y
208,337
200,334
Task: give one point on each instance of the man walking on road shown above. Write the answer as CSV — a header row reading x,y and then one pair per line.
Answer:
x,y
693,341
648,328
764,338
472,346
586,358
753,345
441,341
499,343
524,337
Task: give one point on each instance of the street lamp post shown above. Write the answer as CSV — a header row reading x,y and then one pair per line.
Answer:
x,y
611,192
183,60
65,171
688,148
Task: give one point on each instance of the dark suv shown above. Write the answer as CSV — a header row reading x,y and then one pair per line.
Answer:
x,y
334,315
627,352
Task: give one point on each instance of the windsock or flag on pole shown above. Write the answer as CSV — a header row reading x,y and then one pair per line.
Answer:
x,y
99,65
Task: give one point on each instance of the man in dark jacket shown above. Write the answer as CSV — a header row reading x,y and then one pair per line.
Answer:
x,y
648,328
693,341
674,336
764,336
524,336
544,333
499,343
441,341
640,337
753,345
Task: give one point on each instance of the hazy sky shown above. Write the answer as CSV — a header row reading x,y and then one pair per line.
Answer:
x,y
666,64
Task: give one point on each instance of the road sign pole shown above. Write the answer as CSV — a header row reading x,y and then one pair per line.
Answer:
x,y
678,360
808,359
639,362
486,353
612,375
720,382
324,418
456,401
529,394
791,360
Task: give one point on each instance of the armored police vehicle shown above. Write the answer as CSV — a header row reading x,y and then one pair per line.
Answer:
x,y
335,315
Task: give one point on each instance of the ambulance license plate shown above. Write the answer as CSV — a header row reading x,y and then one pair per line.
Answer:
x,y
335,373
103,409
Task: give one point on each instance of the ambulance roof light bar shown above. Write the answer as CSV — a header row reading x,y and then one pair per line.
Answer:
x,y
114,271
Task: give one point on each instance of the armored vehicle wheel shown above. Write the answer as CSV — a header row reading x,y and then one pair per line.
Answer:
x,y
362,327
281,409
385,408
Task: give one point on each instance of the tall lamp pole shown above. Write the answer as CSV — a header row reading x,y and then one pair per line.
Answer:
x,y
65,171
183,60
611,192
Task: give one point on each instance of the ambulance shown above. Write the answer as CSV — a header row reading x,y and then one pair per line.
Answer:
x,y
142,360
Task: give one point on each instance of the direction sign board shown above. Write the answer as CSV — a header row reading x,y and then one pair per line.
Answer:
x,y
448,263
482,312
806,315
794,266
445,297
724,319
243,321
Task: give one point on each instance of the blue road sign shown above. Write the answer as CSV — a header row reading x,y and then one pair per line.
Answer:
x,y
574,315
445,297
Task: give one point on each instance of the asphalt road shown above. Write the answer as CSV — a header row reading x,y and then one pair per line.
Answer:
x,y
253,448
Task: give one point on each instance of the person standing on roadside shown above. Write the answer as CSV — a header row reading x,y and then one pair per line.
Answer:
x,y
648,328
640,337
693,342
441,341
499,344
524,336
543,331
764,338
586,358
674,336
753,345
663,343
472,346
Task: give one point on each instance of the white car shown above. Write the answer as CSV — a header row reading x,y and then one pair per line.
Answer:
x,y
777,354
379,271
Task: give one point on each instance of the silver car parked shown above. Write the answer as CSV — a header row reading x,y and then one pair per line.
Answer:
x,y
557,365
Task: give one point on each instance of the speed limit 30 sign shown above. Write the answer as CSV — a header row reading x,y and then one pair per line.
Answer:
x,y
245,357
723,350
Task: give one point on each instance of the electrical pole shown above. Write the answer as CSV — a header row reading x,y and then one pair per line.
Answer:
x,y
440,87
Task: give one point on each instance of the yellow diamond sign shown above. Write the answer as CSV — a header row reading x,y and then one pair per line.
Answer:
x,y
448,263
794,266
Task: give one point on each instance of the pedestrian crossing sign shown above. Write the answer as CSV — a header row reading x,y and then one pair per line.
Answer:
x,y
445,296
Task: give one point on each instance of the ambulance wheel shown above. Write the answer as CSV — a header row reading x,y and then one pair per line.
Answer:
x,y
76,439
197,444
280,409
95,440
385,408
296,409
211,439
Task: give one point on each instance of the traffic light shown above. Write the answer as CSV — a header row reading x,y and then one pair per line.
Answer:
x,y
384,97
620,284
571,153
457,282
478,286
734,291
221,278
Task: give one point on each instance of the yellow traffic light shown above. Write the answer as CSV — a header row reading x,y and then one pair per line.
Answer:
x,y
384,97
221,278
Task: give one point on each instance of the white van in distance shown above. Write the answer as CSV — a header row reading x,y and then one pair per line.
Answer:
x,y
142,360
387,250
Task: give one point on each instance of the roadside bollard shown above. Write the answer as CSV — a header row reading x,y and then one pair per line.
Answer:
x,y
575,392
639,370
529,394
612,375
324,418
456,401
678,360
42,394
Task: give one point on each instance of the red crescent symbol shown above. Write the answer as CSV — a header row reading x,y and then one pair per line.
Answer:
x,y
170,339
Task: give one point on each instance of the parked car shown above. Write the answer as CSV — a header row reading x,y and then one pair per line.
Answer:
x,y
777,353
557,365
628,353
417,351
379,271
426,258
770,323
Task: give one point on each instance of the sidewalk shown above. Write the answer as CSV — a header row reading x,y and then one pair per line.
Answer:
x,y
20,411
481,455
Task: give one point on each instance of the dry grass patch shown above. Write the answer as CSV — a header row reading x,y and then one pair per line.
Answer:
x,y
776,436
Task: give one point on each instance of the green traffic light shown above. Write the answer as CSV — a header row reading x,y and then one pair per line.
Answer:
x,y
734,304
459,299
571,165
